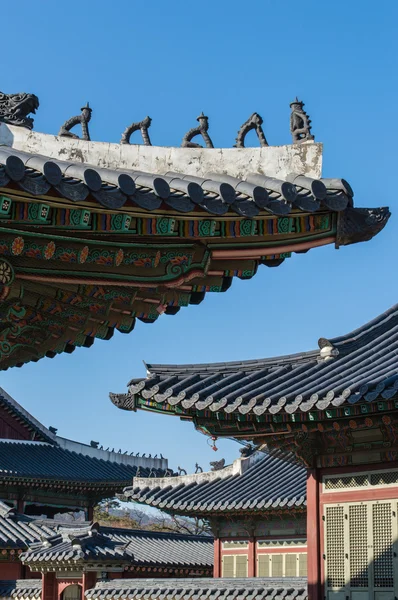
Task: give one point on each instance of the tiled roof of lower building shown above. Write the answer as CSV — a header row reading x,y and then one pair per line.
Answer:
x,y
51,540
259,483
21,460
21,589
95,544
361,366
185,589
18,531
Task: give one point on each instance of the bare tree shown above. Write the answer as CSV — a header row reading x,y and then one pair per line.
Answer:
x,y
175,524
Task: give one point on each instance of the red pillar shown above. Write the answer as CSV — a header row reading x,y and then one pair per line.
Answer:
x,y
20,506
49,586
217,558
313,535
90,513
89,581
251,566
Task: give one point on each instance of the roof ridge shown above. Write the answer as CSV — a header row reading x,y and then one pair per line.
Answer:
x,y
224,366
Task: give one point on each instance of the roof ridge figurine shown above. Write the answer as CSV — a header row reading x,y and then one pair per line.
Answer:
x,y
14,109
300,123
217,465
255,121
143,126
202,130
82,119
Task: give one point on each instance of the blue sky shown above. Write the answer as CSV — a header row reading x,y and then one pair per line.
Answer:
x,y
172,60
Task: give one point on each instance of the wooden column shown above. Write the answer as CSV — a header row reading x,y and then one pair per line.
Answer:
x,y
217,558
89,581
49,586
251,566
313,535
20,506
90,513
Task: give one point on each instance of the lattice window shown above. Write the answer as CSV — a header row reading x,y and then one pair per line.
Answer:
x,y
382,545
241,565
263,565
302,565
358,545
290,565
335,546
228,566
384,478
277,565
349,481
234,565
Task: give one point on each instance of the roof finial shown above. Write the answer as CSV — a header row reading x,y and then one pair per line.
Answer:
x,y
201,130
300,123
253,122
82,119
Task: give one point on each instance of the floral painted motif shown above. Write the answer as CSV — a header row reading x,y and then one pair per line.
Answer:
x,y
104,260
143,262
17,246
6,273
67,256
119,257
83,255
33,252
49,250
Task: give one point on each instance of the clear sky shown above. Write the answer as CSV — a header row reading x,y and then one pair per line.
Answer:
x,y
171,60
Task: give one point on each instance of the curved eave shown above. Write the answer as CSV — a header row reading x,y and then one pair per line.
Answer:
x,y
358,369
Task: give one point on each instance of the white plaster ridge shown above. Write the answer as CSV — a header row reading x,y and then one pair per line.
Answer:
x,y
238,467
115,457
274,161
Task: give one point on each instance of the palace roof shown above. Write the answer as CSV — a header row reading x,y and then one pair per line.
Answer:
x,y
40,462
261,482
361,366
17,531
51,540
255,588
21,589
94,544
63,462
94,236
348,378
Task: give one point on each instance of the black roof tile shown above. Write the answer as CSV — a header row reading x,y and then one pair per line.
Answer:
x,y
23,589
360,366
39,460
92,543
258,483
186,589
144,548
183,193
